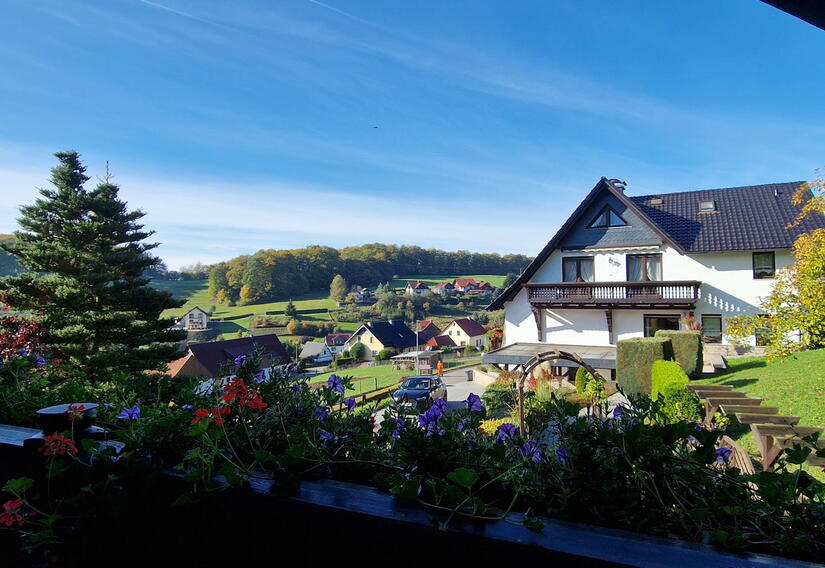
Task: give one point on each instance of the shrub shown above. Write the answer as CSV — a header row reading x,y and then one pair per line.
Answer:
x,y
508,378
667,377
357,351
490,426
384,354
582,377
342,361
687,349
634,360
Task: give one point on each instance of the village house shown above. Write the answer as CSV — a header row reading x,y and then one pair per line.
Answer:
x,y
206,359
438,342
462,285
413,288
378,335
426,330
623,267
316,351
444,289
466,332
194,320
336,342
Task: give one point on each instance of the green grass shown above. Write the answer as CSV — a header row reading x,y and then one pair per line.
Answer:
x,y
385,374
795,385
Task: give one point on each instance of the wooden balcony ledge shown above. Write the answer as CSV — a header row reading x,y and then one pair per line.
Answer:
x,y
668,294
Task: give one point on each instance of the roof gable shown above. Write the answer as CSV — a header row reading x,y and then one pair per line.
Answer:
x,y
583,236
470,327
391,333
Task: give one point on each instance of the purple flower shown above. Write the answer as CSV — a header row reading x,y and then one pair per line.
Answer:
x,y
562,454
297,387
239,360
129,413
335,384
349,403
474,403
532,449
291,368
429,420
696,425
187,407
505,432
323,435
321,412
463,424
25,352
617,412
723,454
260,376
400,428
440,405
39,361
692,439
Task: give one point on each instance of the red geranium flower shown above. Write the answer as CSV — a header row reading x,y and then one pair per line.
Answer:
x,y
11,513
215,415
58,445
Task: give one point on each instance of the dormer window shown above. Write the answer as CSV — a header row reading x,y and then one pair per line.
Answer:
x,y
607,217
707,206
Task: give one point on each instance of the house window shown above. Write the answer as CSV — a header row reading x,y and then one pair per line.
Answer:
x,y
712,329
374,353
578,269
607,217
644,267
655,323
370,339
707,206
764,264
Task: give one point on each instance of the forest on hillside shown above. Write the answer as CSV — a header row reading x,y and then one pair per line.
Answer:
x,y
278,274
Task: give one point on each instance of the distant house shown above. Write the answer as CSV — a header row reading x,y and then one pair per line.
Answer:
x,y
444,289
426,330
194,320
318,351
466,332
336,341
439,341
462,285
205,359
417,287
378,335
360,293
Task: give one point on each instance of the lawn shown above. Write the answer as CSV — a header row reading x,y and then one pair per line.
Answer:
x,y
385,375
796,385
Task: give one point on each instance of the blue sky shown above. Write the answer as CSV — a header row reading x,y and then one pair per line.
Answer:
x,y
244,125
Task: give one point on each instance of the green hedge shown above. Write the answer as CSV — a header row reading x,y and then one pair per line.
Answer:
x,y
634,362
687,350
582,376
667,378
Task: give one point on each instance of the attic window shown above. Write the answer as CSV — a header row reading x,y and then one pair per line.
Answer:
x,y
607,217
707,206
655,201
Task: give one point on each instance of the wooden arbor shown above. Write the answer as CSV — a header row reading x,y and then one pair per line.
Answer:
x,y
535,361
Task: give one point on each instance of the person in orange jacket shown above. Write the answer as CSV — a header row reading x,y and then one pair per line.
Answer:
x,y
439,369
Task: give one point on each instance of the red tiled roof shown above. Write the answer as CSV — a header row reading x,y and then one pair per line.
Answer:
x,y
441,285
470,327
336,339
418,285
464,282
440,341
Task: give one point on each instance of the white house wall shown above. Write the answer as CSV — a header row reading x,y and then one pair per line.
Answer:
x,y
728,288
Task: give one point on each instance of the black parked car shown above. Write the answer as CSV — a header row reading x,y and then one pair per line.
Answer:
x,y
419,392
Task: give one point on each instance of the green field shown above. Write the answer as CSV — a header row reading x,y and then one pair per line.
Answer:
x,y
796,385
385,374
229,320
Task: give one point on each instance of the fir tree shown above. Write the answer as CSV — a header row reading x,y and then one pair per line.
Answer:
x,y
338,289
84,257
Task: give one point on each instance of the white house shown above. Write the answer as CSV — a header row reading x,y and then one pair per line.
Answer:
x,y
194,320
623,267
318,351
417,287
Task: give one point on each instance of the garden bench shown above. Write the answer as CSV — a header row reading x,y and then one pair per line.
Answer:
x,y
740,458
720,388
704,394
773,439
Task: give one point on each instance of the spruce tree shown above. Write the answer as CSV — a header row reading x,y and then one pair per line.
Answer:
x,y
85,256
338,289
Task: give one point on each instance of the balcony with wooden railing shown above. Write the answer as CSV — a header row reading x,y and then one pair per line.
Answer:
x,y
677,294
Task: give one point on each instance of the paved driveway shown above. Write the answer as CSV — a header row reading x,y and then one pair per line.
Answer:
x,y
458,389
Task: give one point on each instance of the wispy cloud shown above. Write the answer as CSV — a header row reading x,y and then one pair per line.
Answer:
x,y
185,14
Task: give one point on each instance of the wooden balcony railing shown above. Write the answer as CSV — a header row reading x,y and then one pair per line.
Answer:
x,y
628,295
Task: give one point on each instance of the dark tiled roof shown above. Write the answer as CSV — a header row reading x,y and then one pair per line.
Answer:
x,y
746,218
213,353
427,331
470,327
392,333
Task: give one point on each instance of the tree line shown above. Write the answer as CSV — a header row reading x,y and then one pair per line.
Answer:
x,y
271,274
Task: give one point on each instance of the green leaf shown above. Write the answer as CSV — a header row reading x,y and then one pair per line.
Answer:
x,y
479,507
463,477
192,454
19,485
264,457
410,489
532,522
797,454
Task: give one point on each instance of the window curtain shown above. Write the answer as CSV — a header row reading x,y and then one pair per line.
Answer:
x,y
634,269
569,271
654,268
586,270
